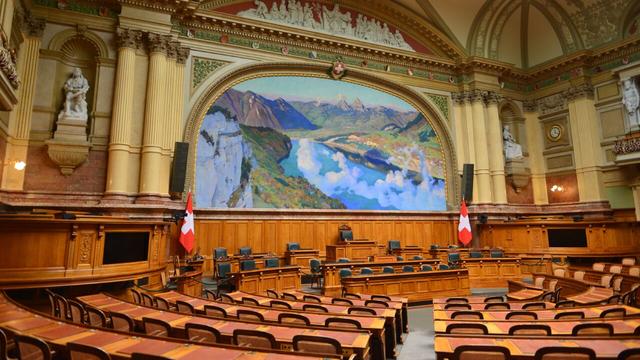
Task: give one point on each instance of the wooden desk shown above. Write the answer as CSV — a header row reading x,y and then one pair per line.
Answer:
x,y
443,253
331,285
416,286
525,347
624,282
547,314
260,280
408,252
120,345
492,272
382,340
383,258
558,327
534,264
189,283
301,257
480,306
569,286
353,342
356,250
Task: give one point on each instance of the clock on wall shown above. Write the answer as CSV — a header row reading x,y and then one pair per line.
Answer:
x,y
555,132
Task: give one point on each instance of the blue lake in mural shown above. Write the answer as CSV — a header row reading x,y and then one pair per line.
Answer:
x,y
299,142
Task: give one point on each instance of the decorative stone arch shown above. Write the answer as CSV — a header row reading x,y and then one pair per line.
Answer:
x,y
60,39
432,115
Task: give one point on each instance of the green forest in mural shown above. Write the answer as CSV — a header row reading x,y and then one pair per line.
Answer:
x,y
301,142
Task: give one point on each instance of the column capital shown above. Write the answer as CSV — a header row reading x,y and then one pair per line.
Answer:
x,y
575,92
475,95
530,106
492,98
158,43
33,27
459,97
183,55
127,38
172,49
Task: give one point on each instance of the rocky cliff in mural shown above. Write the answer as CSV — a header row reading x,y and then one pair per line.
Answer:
x,y
223,163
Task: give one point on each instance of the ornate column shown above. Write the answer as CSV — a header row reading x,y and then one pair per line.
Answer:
x,y
496,157
536,160
483,175
170,103
586,139
20,117
120,136
150,187
458,131
178,124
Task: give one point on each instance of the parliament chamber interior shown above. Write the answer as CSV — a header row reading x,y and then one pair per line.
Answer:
x,y
319,179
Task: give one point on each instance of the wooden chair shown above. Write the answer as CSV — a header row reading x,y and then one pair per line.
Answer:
x,y
521,315
288,296
249,301
455,306
474,352
147,300
493,299
569,315
288,318
314,308
77,314
122,322
457,300
467,328
250,315
96,317
4,346
156,327
254,339
630,354
62,305
359,310
497,306
534,306
141,356
380,297
352,296
55,312
215,311
162,304
311,298
467,315
564,353
184,307
341,301
602,329
280,304
376,304
226,299
342,323
272,294
210,294
629,261
615,312
565,304
31,348
612,300
530,329
86,352
316,344
137,298
201,333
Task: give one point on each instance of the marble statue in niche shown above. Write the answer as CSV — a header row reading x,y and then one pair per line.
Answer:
x,y
75,103
318,17
631,102
512,150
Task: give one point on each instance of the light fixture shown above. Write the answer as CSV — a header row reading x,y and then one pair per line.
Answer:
x,y
19,165
557,188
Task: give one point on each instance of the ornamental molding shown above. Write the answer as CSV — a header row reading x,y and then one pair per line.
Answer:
x,y
202,68
627,146
158,43
584,90
529,106
550,104
33,27
182,55
127,38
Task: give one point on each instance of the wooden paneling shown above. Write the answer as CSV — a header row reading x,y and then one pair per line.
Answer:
x,y
260,280
492,272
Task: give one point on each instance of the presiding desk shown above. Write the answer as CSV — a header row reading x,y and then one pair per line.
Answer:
x,y
189,283
258,281
120,345
301,257
492,272
331,285
416,286
354,250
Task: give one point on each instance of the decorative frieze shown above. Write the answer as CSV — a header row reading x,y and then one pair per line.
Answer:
x,y
552,103
530,106
627,146
575,92
129,38
8,64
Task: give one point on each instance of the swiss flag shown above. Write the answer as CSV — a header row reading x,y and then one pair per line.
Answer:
x,y
464,227
188,231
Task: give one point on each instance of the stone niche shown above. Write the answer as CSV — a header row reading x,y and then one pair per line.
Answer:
x,y
69,146
516,169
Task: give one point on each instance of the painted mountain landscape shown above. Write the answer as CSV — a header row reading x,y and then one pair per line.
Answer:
x,y
309,143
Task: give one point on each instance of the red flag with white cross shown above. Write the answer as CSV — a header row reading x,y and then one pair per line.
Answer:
x,y
188,231
464,227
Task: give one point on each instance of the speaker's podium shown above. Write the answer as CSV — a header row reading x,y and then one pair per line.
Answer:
x,y
355,250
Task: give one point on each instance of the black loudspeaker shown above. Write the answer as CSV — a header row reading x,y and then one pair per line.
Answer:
x,y
467,182
179,168
483,218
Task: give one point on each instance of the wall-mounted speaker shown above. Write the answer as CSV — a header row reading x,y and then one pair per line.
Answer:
x,y
467,182
483,218
179,169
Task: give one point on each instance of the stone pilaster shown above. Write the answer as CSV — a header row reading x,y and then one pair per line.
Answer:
x,y
585,135
183,55
496,156
120,136
154,119
20,117
536,147
483,175
170,104
458,130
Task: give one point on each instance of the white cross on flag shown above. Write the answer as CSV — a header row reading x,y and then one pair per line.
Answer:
x,y
188,231
464,227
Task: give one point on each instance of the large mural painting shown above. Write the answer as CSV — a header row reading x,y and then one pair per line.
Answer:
x,y
309,143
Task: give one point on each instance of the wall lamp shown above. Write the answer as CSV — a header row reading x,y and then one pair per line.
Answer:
x,y
557,188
